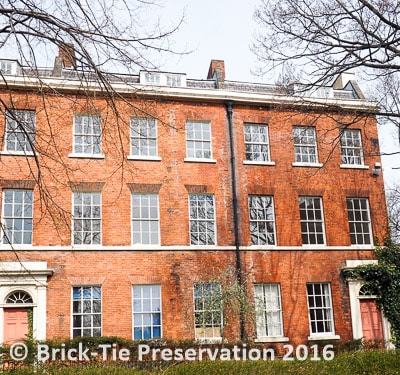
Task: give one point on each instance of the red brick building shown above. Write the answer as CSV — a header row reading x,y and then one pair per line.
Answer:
x,y
122,215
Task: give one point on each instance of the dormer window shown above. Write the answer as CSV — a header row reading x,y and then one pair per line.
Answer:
x,y
163,79
174,80
152,78
7,67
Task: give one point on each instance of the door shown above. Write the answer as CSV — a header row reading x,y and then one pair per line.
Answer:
x,y
16,324
371,320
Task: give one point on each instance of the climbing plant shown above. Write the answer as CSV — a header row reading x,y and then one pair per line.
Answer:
x,y
383,280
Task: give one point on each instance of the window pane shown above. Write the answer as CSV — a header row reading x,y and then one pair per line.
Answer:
x,y
86,312
198,140
17,217
202,219
311,221
256,142
143,137
87,134
305,144
268,310
146,301
20,131
359,221
262,221
351,147
145,219
208,310
319,308
87,206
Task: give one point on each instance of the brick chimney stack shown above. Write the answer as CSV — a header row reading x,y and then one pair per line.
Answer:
x,y
217,72
67,54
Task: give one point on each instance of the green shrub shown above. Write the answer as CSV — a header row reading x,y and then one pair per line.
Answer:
x,y
373,362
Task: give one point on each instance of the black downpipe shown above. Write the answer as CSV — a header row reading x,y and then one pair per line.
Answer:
x,y
229,112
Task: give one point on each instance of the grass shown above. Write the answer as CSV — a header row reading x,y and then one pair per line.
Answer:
x,y
372,362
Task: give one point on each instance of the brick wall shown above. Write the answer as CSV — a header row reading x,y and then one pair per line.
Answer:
x,y
176,269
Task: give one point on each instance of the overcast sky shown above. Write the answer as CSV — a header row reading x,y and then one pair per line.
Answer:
x,y
218,29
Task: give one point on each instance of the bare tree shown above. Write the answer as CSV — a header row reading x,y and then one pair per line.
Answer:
x,y
325,38
330,37
393,203
92,39
115,33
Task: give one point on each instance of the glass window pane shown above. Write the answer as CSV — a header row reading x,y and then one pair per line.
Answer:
x,y
359,221
311,220
146,298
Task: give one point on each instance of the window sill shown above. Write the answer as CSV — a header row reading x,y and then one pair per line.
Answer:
x,y
141,246
313,246
203,247
262,247
209,340
87,156
353,166
272,339
199,160
306,247
5,246
323,337
144,158
86,247
17,153
309,165
362,247
251,162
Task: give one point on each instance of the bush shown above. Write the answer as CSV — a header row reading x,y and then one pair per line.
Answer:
x,y
374,362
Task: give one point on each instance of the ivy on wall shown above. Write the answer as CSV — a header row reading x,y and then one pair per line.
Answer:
x,y
383,280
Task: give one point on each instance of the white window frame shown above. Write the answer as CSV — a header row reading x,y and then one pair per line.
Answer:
x,y
200,142
21,127
268,304
324,311
174,80
204,294
359,220
146,311
145,215
256,143
146,146
88,135
83,314
201,220
25,212
261,218
8,67
305,145
156,78
351,148
91,218
312,219
152,78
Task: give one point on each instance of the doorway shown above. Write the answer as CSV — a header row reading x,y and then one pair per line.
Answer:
x,y
371,320
16,324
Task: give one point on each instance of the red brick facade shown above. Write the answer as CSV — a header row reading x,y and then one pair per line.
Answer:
x,y
115,265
